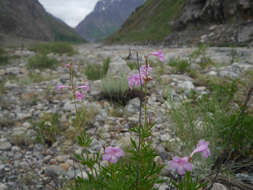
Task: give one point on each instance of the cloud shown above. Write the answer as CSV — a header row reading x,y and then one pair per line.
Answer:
x,y
70,11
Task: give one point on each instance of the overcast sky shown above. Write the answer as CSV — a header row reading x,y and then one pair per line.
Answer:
x,y
70,11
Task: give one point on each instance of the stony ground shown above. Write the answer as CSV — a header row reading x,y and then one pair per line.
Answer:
x,y
26,96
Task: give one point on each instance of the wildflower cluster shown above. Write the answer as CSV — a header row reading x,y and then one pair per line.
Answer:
x,y
76,90
159,54
137,80
112,154
181,165
139,170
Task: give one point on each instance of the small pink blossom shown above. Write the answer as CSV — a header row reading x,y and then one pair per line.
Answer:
x,y
181,165
145,70
135,81
59,87
202,148
158,54
68,65
79,95
112,154
85,86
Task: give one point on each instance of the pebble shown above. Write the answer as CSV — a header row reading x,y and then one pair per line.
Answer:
x,y
218,186
3,186
5,146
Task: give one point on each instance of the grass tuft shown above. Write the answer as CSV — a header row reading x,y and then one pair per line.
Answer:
x,y
95,71
41,62
4,59
180,65
54,47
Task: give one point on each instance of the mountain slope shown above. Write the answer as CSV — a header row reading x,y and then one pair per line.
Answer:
x,y
28,19
106,18
149,22
180,22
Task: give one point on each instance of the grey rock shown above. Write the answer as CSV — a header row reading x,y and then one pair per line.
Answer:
x,y
62,158
5,145
133,105
163,187
15,149
10,85
166,171
165,137
95,88
245,33
69,106
22,136
3,186
245,177
118,67
212,73
218,186
54,171
188,85
228,74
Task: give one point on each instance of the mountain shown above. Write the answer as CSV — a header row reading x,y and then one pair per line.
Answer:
x,y
29,20
106,18
187,22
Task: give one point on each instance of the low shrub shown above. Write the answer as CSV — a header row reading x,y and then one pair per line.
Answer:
x,y
54,47
132,65
41,62
95,71
4,59
201,53
47,128
214,117
115,89
180,65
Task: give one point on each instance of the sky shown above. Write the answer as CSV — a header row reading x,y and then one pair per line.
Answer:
x,y
70,11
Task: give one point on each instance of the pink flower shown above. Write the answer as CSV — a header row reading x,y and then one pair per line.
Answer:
x,y
202,147
85,86
135,81
59,87
181,165
79,95
145,70
68,65
112,154
158,54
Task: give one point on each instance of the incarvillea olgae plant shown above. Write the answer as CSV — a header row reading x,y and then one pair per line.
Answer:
x,y
135,168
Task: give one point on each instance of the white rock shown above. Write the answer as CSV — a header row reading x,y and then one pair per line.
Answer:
x,y
163,187
118,68
218,186
3,186
212,73
188,85
5,145
165,137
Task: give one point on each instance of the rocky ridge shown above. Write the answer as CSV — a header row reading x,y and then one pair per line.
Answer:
x,y
178,23
106,18
27,19
220,22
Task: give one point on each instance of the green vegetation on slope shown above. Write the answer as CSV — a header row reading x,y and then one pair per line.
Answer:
x,y
62,32
149,22
94,32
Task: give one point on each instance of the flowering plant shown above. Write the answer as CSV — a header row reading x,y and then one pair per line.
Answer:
x,y
134,168
183,166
